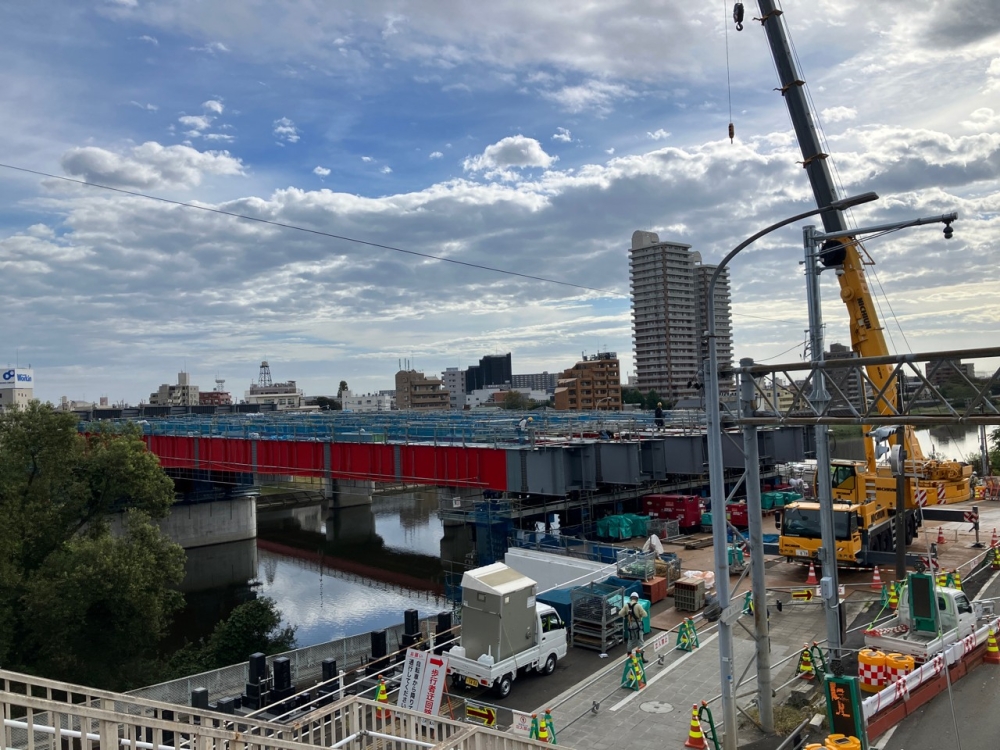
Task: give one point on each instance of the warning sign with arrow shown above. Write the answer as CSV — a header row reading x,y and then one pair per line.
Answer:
x,y
804,595
480,714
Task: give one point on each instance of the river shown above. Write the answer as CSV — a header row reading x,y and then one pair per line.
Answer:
x,y
957,442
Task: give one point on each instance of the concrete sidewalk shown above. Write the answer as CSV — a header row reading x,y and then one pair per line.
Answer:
x,y
660,714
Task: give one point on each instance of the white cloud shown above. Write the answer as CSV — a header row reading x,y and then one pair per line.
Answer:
x,y
211,48
321,171
213,105
149,165
386,169
285,130
366,158
838,114
220,137
435,155
610,151
147,107
196,122
983,119
150,40
657,135
513,151
597,96
562,134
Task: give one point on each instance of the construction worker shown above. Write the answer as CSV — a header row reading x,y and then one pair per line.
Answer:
x,y
634,614
522,427
658,414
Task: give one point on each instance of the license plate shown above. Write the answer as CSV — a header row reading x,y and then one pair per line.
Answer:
x,y
472,682
802,552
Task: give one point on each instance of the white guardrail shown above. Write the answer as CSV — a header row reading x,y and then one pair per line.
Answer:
x,y
901,689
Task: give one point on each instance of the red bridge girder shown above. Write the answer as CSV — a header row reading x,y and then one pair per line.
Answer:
x,y
440,465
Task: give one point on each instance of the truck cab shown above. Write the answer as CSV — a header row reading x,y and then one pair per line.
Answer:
x,y
800,537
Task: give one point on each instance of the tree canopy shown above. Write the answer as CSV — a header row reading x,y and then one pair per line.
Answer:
x,y
85,574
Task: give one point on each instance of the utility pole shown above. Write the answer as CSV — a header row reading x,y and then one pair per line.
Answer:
x,y
755,523
820,399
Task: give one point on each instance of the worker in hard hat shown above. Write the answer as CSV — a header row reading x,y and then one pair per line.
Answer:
x,y
634,614
522,427
658,414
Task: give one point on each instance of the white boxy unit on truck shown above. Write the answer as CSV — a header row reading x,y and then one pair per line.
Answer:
x,y
503,630
928,619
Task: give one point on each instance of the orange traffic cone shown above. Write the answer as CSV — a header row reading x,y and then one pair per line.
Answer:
x,y
877,580
940,539
811,579
696,738
543,730
382,697
992,652
994,541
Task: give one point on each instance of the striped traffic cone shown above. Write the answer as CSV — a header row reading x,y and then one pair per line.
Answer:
x,y
994,542
811,579
992,652
696,738
893,596
940,539
877,580
806,671
382,697
995,562
958,580
543,730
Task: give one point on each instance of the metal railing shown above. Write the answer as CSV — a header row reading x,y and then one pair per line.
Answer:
x,y
40,714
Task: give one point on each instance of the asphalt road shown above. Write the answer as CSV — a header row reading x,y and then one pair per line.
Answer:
x,y
975,701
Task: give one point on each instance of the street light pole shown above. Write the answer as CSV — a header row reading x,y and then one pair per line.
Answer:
x,y
717,479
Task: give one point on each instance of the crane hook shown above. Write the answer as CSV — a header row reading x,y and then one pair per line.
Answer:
x,y
738,16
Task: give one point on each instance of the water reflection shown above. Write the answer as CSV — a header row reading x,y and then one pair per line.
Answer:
x,y
956,442
333,571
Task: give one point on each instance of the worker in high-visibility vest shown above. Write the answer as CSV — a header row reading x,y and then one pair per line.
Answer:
x,y
634,614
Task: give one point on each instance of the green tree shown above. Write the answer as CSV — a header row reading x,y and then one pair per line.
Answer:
x,y
253,626
84,596
652,399
342,387
328,404
516,401
632,396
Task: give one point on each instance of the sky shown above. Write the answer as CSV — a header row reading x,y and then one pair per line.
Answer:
x,y
528,137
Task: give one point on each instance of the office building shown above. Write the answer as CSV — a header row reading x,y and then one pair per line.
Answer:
x,y
17,387
669,317
493,369
367,402
282,395
593,383
414,391
949,371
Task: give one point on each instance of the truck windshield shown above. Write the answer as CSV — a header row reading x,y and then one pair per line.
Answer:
x,y
804,522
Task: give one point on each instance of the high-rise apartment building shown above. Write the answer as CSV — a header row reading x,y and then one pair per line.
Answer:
x,y
669,316
536,381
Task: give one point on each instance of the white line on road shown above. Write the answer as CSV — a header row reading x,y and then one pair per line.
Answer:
x,y
662,672
987,585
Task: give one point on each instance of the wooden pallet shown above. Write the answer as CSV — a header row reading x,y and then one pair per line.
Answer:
x,y
698,543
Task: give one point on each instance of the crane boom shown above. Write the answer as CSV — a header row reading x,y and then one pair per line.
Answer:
x,y
867,338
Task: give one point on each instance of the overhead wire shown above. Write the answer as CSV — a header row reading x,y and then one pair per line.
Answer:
x,y
318,232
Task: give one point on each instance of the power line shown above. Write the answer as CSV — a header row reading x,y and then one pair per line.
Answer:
x,y
318,232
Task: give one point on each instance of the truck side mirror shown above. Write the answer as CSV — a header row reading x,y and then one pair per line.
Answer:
x,y
777,519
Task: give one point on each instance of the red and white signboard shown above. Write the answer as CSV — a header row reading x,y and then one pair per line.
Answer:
x,y
522,724
423,681
434,684
411,683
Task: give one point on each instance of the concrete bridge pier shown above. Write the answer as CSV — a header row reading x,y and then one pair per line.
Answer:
x,y
347,493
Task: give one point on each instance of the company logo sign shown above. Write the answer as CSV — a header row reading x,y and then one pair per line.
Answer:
x,y
16,377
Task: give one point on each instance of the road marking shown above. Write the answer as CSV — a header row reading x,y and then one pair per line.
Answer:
x,y
986,585
661,673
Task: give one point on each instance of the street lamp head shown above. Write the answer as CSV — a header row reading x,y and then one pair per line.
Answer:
x,y
854,200
948,230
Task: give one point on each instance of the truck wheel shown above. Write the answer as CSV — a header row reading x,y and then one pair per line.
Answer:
x,y
503,685
550,665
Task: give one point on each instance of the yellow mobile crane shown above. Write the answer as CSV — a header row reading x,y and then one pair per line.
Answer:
x,y
863,491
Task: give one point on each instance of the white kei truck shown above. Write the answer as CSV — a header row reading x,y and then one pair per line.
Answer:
x,y
920,629
504,631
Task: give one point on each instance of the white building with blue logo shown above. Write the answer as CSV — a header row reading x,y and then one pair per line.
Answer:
x,y
17,386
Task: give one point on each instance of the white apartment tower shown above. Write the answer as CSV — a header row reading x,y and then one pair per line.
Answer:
x,y
669,316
